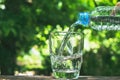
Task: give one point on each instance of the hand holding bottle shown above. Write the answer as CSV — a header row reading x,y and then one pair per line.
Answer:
x,y
115,8
118,4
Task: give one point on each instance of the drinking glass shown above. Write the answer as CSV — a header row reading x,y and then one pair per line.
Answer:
x,y
66,54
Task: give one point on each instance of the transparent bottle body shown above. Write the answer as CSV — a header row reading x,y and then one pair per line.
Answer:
x,y
102,18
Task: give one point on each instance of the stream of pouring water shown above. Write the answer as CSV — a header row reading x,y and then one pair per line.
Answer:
x,y
66,38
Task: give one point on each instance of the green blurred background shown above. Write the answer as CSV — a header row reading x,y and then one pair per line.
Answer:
x,y
24,30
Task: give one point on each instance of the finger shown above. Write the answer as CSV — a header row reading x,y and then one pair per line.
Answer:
x,y
118,4
115,8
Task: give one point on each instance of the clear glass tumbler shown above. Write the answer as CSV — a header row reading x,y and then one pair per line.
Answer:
x,y
66,54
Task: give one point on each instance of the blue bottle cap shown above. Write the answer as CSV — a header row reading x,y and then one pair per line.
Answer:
x,y
84,19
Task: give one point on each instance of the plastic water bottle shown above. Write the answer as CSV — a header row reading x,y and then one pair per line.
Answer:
x,y
101,18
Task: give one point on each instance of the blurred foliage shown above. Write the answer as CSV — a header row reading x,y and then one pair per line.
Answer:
x,y
101,56
24,32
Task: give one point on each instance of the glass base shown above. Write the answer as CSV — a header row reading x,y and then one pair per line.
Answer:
x,y
69,74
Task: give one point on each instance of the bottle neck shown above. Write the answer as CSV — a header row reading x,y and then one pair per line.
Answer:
x,y
83,19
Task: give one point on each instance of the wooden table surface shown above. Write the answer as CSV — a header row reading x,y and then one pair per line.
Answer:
x,y
51,78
